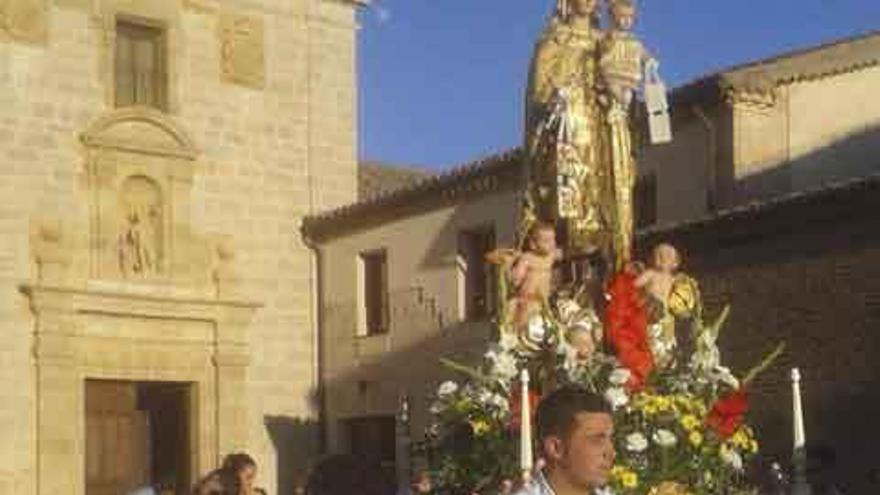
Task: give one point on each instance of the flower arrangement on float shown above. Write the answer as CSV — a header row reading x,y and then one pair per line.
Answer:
x,y
679,418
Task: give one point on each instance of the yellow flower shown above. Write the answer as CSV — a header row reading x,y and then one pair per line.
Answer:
x,y
741,439
696,438
753,446
480,427
629,480
690,422
663,403
626,477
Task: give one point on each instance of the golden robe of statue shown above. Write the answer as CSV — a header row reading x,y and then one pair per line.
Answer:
x,y
569,180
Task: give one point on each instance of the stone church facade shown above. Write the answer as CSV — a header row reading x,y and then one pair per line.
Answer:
x,y
157,157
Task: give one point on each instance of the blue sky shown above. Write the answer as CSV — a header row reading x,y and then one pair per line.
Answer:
x,y
441,82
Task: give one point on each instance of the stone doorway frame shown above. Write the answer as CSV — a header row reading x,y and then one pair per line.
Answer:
x,y
82,334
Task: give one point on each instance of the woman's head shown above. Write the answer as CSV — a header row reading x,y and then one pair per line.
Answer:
x,y
244,467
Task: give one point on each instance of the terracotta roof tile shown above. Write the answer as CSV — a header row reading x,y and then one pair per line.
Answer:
x,y
481,176
377,179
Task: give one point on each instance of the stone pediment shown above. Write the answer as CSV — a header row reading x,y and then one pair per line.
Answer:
x,y
142,130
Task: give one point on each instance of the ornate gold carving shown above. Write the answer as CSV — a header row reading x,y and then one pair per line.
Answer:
x,y
242,58
23,20
578,135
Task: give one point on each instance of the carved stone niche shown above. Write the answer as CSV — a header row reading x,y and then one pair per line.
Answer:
x,y
139,166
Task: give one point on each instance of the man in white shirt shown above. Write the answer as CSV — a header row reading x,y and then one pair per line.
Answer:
x,y
575,433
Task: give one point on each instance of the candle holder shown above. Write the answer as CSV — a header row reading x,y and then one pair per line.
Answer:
x,y
800,485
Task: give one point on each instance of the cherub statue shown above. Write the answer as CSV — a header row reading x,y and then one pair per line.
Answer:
x,y
531,274
657,282
658,278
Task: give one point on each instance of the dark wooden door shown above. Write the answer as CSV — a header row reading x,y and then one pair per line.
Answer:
x,y
117,439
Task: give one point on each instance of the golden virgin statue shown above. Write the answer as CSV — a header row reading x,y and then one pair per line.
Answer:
x,y
580,164
568,175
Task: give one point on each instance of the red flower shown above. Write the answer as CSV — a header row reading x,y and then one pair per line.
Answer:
x,y
515,402
626,326
728,412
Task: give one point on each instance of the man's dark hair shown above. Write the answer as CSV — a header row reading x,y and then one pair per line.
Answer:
x,y
555,414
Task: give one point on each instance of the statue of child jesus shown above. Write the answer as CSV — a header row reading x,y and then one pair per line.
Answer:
x,y
621,62
623,58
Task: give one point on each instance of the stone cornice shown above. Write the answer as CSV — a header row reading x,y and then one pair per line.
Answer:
x,y
84,300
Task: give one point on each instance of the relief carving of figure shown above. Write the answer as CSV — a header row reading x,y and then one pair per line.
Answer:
x,y
139,241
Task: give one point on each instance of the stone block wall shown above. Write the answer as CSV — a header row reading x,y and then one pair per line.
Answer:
x,y
272,147
816,287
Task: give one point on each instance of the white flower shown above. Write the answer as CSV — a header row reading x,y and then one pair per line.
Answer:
x,y
636,442
731,457
619,376
617,397
504,366
664,438
446,389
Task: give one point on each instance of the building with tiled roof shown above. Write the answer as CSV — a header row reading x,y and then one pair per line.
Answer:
x,y
770,189
378,178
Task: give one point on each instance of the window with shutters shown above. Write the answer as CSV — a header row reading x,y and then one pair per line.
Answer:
x,y
374,266
140,65
477,279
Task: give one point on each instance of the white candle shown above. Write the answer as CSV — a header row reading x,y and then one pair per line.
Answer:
x,y
525,432
799,437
